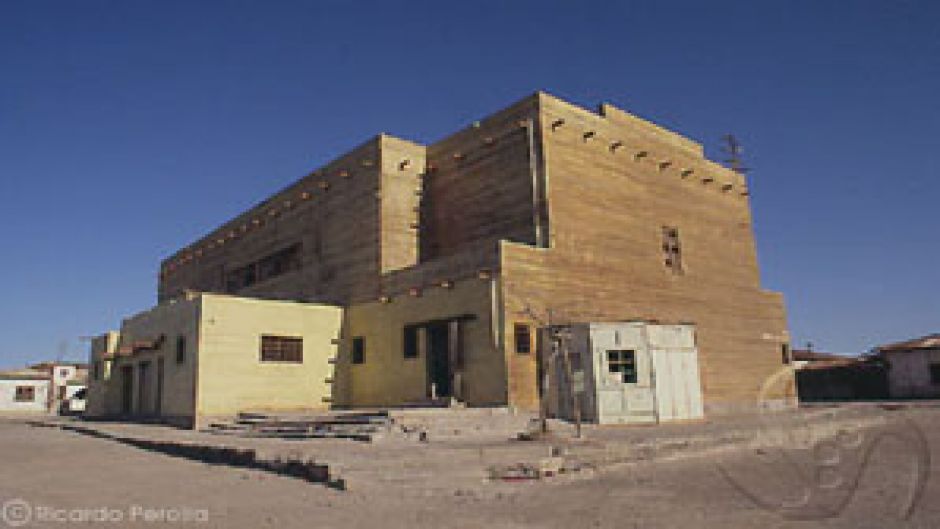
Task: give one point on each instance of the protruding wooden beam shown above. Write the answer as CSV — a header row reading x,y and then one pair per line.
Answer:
x,y
615,145
557,124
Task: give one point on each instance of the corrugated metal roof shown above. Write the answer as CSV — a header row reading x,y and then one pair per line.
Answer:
x,y
931,341
815,356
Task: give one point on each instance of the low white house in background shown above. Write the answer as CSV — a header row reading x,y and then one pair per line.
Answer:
x,y
24,390
67,379
913,367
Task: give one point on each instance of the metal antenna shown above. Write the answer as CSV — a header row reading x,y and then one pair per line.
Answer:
x,y
732,148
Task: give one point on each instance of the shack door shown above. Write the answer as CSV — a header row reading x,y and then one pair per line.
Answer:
x,y
678,390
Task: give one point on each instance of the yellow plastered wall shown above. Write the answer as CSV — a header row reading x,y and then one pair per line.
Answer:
x,y
169,321
101,348
231,376
387,378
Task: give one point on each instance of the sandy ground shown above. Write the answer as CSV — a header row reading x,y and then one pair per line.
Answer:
x,y
716,474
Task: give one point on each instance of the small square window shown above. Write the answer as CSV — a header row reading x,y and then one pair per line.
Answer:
x,y
523,338
622,361
25,394
359,350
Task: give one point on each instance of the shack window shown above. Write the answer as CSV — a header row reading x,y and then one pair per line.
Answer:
x,y
359,350
180,349
935,373
672,249
523,338
282,349
622,361
410,341
25,394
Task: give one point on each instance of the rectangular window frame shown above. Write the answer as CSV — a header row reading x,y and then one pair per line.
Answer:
x,y
410,339
358,350
672,250
25,394
934,368
281,349
522,338
180,349
623,363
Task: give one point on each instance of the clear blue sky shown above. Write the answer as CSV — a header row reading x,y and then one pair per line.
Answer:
x,y
128,129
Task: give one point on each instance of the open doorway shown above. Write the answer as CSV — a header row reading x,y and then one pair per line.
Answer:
x,y
127,389
440,375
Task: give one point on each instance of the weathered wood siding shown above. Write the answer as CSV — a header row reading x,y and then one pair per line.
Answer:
x,y
348,233
607,208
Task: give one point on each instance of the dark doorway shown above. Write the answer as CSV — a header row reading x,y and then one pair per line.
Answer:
x,y
158,403
143,388
127,392
439,368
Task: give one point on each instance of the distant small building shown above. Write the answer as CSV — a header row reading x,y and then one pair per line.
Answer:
x,y
67,379
24,390
913,367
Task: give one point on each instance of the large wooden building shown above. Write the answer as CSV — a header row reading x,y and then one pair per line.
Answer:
x,y
446,258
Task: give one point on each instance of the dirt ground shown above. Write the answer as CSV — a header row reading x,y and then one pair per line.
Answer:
x,y
727,473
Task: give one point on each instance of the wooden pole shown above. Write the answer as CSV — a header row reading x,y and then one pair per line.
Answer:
x,y
564,338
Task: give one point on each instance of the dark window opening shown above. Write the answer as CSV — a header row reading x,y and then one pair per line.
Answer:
x,y
672,249
359,350
180,349
282,349
96,370
785,353
25,394
410,341
935,373
279,263
622,361
523,338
